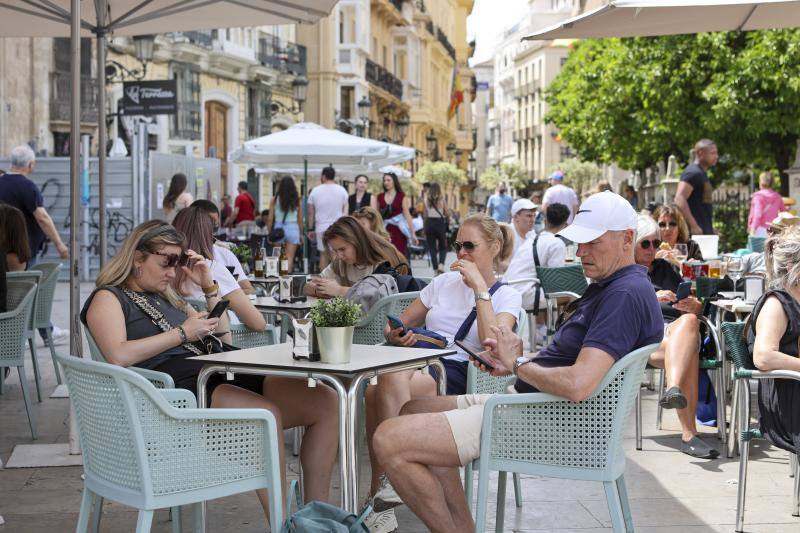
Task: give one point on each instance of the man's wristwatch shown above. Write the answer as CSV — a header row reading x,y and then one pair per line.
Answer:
x,y
518,362
484,295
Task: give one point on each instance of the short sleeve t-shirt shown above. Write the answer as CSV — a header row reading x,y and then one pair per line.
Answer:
x,y
247,207
616,315
220,274
18,191
449,301
353,273
700,202
551,251
226,257
561,194
330,203
499,206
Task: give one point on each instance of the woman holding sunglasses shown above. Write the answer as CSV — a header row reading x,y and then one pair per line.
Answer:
x,y
673,230
139,277
679,351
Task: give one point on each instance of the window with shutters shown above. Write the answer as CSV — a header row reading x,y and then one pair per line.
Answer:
x,y
186,123
259,101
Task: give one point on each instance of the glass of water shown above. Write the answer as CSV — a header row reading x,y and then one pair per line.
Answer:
x,y
735,268
682,252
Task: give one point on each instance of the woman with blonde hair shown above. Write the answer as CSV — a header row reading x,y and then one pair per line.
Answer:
x,y
371,220
674,230
137,319
446,307
356,254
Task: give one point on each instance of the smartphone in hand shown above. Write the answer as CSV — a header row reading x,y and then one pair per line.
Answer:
x,y
220,308
475,356
395,323
683,291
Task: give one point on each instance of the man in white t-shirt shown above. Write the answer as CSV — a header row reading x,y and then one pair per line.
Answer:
x,y
523,216
326,204
558,193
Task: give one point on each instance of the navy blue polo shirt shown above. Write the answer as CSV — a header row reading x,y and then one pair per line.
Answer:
x,y
617,315
22,193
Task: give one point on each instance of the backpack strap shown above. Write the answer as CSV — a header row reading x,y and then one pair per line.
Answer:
x,y
467,324
536,262
536,265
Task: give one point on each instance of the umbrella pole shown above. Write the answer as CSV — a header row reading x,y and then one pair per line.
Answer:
x,y
76,344
102,133
306,247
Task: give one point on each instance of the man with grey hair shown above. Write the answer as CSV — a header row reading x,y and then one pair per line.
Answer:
x,y
693,196
18,190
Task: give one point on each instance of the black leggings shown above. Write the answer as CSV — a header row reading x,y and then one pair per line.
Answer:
x,y
436,236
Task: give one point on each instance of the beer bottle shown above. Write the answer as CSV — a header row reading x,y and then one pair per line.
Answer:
x,y
260,258
284,259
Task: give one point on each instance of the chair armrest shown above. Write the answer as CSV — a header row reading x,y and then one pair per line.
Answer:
x,y
771,374
563,294
520,281
179,398
160,380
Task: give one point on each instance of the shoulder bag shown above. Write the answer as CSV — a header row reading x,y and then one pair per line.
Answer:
x,y
277,234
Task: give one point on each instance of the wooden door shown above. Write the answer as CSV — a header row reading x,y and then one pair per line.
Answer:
x,y
217,139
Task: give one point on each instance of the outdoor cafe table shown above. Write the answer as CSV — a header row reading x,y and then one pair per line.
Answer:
x,y
293,309
366,362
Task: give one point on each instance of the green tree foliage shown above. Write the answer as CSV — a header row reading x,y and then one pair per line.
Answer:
x,y
636,101
490,179
512,173
580,175
441,172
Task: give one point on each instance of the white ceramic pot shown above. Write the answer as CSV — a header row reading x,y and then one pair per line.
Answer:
x,y
334,344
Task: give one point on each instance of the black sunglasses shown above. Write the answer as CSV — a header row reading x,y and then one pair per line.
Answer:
x,y
174,260
663,225
469,246
646,244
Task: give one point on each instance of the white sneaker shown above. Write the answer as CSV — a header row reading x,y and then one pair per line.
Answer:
x,y
384,522
59,335
385,497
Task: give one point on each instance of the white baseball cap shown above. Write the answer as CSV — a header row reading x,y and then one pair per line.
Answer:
x,y
522,203
601,212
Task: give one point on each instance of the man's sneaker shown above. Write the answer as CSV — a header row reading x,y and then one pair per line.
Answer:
x,y
383,522
385,497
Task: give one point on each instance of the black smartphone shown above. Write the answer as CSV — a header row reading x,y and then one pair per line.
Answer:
x,y
220,308
475,356
683,291
395,323
184,260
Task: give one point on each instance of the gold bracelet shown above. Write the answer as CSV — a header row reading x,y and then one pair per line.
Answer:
x,y
212,289
212,295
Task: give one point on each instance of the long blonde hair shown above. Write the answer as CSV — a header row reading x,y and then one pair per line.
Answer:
x,y
494,232
145,238
371,248
374,218
782,258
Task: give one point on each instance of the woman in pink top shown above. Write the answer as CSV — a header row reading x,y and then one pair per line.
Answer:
x,y
764,206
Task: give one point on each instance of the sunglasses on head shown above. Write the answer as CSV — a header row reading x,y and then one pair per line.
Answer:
x,y
469,246
646,244
663,225
174,260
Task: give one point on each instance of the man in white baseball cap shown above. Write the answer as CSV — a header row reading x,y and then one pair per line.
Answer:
x,y
523,216
617,314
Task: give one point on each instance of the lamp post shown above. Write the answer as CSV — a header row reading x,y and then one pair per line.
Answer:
x,y
402,128
430,139
300,89
143,45
459,156
451,149
364,105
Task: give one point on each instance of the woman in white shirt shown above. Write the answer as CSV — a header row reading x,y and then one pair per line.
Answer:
x,y
444,306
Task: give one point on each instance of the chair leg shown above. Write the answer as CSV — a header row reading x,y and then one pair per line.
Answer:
x,y
483,500
85,511
517,491
199,518
500,515
23,381
97,513
792,468
733,428
297,440
175,516
144,522
468,470
661,387
614,506
795,488
53,354
36,376
639,420
722,418
623,500
744,452
2,378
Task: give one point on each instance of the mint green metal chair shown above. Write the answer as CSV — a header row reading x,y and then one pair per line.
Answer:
x,y
140,450
160,380
370,329
44,306
35,277
560,283
14,325
546,435
745,370
756,244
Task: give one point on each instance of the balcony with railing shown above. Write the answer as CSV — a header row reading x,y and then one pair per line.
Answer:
x,y
60,97
384,79
200,38
283,56
442,38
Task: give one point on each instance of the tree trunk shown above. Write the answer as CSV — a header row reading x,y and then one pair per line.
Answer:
x,y
784,157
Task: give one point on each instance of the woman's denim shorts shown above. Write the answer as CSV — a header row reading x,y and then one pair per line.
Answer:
x,y
291,232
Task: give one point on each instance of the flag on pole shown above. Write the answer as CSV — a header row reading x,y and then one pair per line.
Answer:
x,y
456,94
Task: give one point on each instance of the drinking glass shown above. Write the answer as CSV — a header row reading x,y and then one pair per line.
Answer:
x,y
735,268
683,252
571,251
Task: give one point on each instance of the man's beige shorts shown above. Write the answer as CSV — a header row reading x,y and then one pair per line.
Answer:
x,y
465,424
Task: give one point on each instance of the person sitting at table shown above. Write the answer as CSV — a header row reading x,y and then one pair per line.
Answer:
x,y
674,230
371,220
196,225
14,238
286,212
445,306
617,314
679,352
772,336
141,274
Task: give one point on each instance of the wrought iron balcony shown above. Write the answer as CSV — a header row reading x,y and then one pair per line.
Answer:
x,y
282,56
200,38
60,97
442,38
384,79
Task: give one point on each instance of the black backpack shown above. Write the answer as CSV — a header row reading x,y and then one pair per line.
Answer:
x,y
405,283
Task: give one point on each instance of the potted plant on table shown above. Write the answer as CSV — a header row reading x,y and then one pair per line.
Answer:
x,y
334,321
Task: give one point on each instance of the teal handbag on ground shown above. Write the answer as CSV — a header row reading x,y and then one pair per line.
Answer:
x,y
321,517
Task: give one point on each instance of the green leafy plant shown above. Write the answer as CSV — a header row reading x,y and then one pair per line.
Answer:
x,y
335,313
242,253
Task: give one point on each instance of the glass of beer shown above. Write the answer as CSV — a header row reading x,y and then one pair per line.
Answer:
x,y
715,269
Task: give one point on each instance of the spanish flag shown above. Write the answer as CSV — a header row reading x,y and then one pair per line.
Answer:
x,y
456,94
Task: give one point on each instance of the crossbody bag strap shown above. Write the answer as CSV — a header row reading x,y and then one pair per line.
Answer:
x,y
156,316
535,271
467,324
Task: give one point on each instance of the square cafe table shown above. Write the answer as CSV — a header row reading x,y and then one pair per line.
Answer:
x,y
366,362
292,309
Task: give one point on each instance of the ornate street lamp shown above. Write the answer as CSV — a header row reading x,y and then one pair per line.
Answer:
x,y
459,155
402,128
144,45
451,148
300,89
364,105
430,139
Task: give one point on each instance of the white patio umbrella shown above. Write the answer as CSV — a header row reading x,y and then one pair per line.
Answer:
x,y
631,18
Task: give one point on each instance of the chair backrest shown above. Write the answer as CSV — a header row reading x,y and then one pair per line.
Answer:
x,y
47,291
584,435
244,337
733,332
14,322
756,244
706,287
568,278
94,350
35,277
370,329
482,383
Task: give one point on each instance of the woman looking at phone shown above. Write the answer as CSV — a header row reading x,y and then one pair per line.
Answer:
x,y
140,276
679,352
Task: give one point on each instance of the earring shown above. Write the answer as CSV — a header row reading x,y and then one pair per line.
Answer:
x,y
137,272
